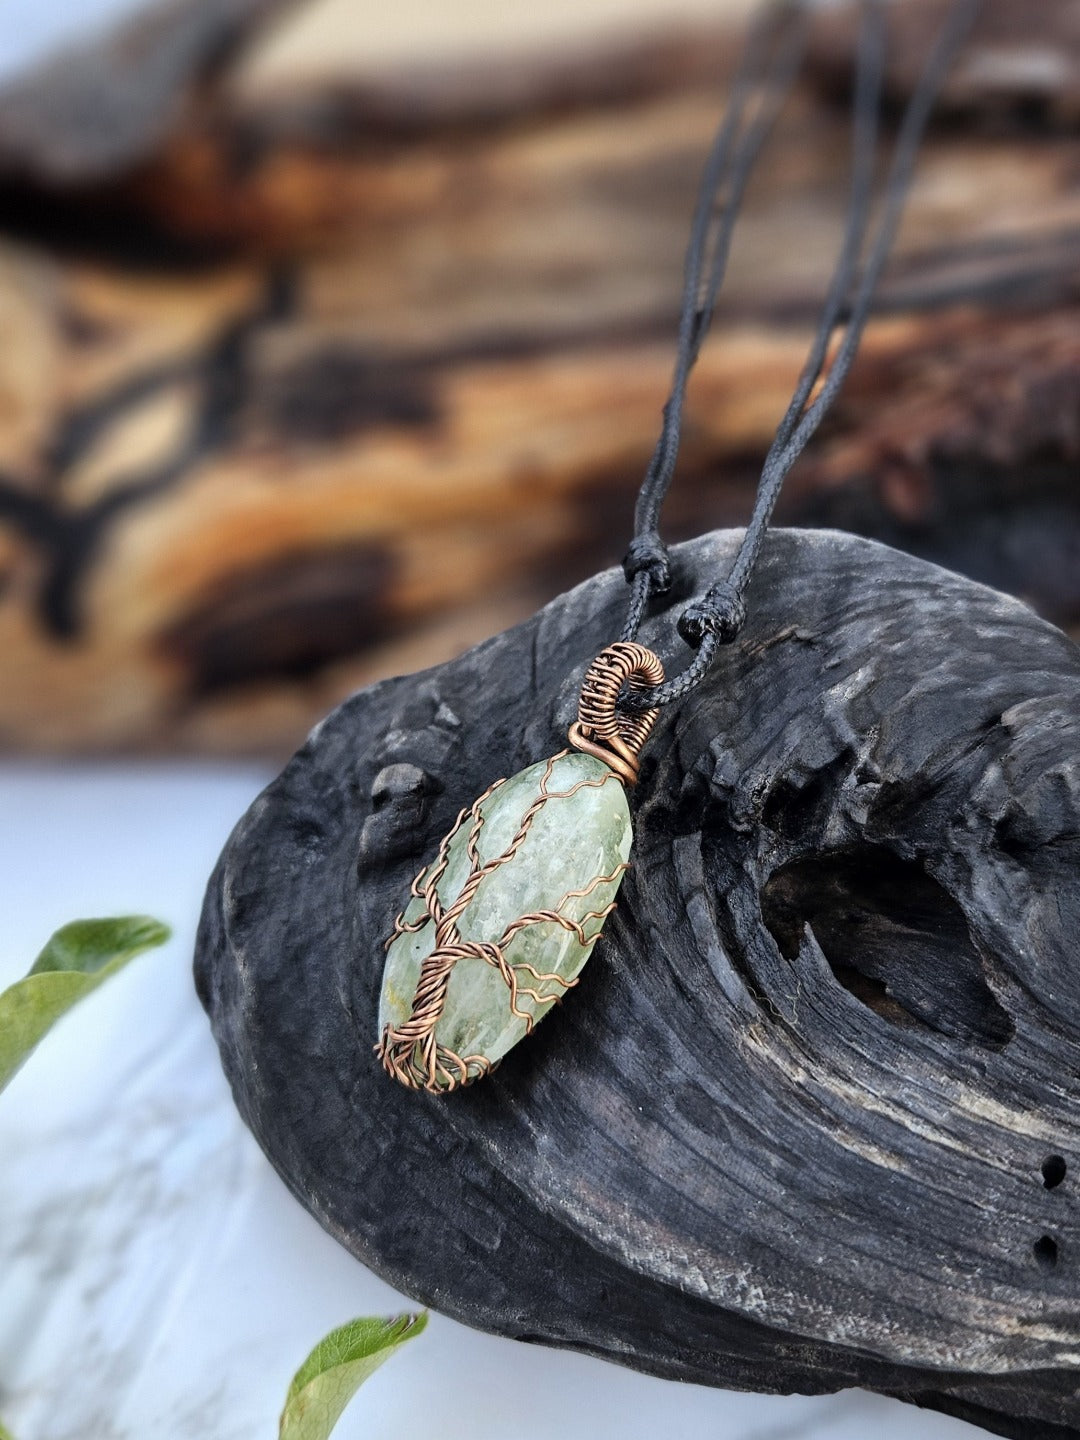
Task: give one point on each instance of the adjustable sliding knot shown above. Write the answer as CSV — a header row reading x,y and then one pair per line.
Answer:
x,y
721,611
649,554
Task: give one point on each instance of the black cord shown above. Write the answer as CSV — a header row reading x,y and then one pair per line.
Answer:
x,y
768,67
718,617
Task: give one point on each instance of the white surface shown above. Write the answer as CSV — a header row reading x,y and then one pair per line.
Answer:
x,y
156,1278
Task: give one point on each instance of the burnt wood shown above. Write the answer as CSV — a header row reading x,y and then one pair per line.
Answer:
x,y
810,1119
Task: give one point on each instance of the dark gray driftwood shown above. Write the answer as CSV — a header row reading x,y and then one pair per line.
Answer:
x,y
811,1119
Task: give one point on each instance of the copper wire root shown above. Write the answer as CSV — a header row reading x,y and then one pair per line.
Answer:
x,y
601,729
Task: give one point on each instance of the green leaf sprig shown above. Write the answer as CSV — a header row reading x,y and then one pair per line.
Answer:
x,y
336,1368
76,960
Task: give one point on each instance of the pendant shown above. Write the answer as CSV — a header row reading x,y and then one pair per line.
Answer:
x,y
501,922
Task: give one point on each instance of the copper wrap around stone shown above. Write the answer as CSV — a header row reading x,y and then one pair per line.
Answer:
x,y
501,922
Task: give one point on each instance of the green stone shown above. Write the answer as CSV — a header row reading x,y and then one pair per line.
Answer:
x,y
577,840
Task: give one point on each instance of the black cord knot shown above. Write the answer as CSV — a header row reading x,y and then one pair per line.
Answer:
x,y
648,553
720,612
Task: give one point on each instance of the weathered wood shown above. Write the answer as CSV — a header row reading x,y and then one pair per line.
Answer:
x,y
333,370
810,1118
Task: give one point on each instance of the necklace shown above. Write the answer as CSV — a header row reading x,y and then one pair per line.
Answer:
x,y
499,924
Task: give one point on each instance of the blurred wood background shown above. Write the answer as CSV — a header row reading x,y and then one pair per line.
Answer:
x,y
334,343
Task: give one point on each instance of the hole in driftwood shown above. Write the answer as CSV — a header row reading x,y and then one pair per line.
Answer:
x,y
796,803
1046,1251
893,937
1053,1171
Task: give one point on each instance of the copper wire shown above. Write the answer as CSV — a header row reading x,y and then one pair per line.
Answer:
x,y
601,729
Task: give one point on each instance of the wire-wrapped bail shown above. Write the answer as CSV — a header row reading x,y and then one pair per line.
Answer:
x,y
604,731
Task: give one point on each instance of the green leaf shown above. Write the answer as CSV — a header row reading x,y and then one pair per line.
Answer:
x,y
5,1433
335,1370
77,959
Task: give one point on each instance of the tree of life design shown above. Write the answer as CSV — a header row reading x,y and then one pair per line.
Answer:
x,y
410,1051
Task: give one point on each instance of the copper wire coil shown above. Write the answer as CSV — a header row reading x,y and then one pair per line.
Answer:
x,y
603,730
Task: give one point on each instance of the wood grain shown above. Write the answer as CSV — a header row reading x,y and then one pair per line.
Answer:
x,y
327,366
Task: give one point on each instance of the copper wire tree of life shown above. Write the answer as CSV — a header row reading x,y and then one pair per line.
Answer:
x,y
410,1050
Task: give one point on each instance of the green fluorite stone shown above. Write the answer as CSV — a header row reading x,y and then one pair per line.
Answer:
x,y
579,840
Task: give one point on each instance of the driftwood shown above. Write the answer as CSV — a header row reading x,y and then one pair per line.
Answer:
x,y
810,1119
318,368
